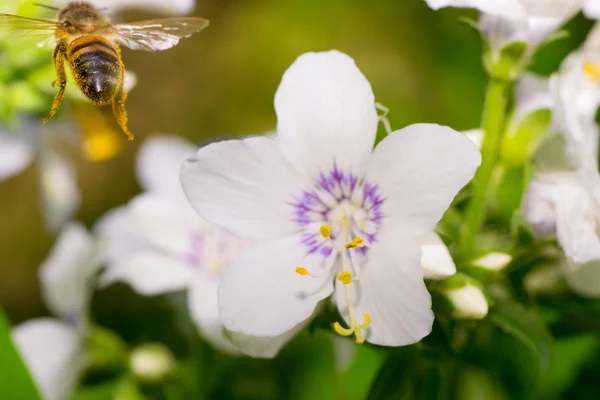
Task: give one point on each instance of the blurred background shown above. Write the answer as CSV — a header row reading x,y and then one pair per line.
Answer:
x,y
424,65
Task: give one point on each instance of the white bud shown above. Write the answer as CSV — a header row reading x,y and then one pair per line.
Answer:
x,y
151,362
544,280
468,301
494,261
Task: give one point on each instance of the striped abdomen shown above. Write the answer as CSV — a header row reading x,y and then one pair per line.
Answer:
x,y
96,66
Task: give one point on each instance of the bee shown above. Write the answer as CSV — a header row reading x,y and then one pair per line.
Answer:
x,y
90,45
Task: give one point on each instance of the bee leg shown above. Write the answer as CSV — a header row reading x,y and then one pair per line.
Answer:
x,y
61,79
120,112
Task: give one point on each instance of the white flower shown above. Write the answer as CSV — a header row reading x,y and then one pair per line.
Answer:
x,y
321,205
576,92
53,348
564,198
506,21
566,204
179,7
59,194
158,244
469,302
591,8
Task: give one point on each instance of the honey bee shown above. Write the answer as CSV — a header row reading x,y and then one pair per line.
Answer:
x,y
90,44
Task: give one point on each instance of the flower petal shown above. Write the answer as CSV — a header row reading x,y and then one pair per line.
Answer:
x,y
265,346
60,196
420,169
53,353
591,9
260,294
149,272
66,272
475,136
392,291
202,303
158,163
164,223
245,186
15,155
565,197
117,234
436,259
532,94
577,98
326,112
584,278
512,9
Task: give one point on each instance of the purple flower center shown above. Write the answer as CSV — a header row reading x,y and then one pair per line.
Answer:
x,y
352,207
210,249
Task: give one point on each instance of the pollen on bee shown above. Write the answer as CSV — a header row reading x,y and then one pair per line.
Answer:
x,y
101,146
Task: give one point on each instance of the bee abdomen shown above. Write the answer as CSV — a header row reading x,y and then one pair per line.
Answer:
x,y
97,68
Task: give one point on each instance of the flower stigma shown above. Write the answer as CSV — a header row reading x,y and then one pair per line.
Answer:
x,y
340,207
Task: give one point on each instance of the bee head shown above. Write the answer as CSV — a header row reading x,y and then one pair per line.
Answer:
x,y
80,15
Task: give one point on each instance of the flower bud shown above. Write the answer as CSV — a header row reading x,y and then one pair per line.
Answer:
x,y
468,301
494,261
151,362
545,280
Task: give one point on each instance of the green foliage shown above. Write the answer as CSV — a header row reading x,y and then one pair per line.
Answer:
x,y
16,383
397,375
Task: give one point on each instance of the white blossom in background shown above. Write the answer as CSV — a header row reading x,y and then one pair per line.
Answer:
x,y
59,194
563,200
174,7
506,21
52,348
566,205
157,244
320,206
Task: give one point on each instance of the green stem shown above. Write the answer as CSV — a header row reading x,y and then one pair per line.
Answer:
x,y
494,114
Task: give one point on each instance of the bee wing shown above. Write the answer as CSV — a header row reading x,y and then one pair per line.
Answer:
x,y
157,34
12,23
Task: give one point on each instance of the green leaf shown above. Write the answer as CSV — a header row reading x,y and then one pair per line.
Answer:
x,y
476,383
525,326
15,381
395,378
357,378
570,355
103,391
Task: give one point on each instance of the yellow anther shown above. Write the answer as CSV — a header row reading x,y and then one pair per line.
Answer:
x,y
341,330
356,242
355,328
325,231
366,321
302,271
592,70
345,277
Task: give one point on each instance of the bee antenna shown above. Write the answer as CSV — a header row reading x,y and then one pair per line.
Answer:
x,y
46,6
